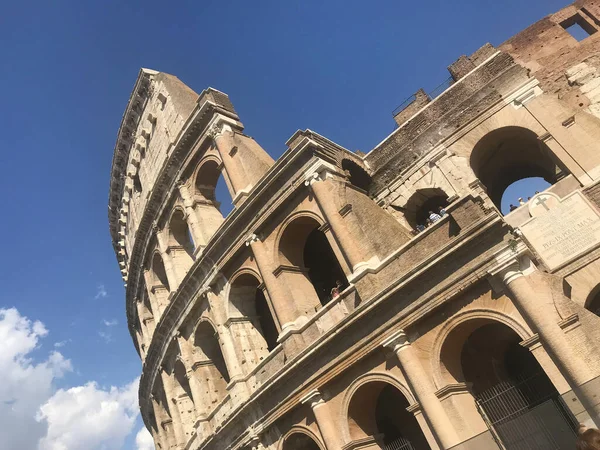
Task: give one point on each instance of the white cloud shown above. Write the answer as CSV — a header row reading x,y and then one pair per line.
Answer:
x,y
100,292
25,384
106,336
89,417
61,343
34,415
143,440
110,323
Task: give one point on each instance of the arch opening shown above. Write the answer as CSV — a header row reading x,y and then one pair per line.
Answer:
x,y
513,393
300,441
356,175
593,302
379,409
249,300
324,270
179,233
211,186
207,341
160,274
510,154
422,204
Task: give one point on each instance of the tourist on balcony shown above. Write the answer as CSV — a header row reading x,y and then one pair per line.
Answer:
x,y
434,217
441,211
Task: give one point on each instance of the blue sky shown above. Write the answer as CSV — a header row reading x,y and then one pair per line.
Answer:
x,y
338,67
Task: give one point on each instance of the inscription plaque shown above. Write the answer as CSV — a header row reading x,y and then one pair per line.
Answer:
x,y
564,231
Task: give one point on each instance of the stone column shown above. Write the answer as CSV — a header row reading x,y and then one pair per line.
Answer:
x,y
530,304
165,425
187,357
192,218
142,318
167,260
173,409
325,201
422,387
282,302
223,134
156,303
327,426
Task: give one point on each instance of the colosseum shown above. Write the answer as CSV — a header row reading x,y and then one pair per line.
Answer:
x,y
379,300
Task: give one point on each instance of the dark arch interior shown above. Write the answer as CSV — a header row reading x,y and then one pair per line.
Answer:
x,y
324,270
206,180
514,392
300,441
267,325
206,338
250,301
181,377
509,154
137,184
593,303
421,203
379,409
160,273
180,232
357,175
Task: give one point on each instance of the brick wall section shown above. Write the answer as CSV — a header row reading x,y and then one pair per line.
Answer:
x,y
456,107
420,100
548,50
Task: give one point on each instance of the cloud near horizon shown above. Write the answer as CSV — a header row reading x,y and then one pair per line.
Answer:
x,y
35,415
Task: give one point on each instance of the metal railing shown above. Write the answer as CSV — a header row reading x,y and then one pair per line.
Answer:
x,y
433,94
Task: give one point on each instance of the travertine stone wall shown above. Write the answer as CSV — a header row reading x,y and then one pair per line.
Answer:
x,y
215,377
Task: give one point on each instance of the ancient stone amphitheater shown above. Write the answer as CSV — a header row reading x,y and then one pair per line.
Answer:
x,y
380,300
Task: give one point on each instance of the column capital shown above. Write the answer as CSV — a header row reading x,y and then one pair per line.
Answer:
x,y
396,341
312,178
508,271
217,129
313,398
251,239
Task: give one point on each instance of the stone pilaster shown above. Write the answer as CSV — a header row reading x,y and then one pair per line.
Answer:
x,y
423,389
191,217
167,260
322,190
223,136
327,426
283,304
165,425
530,303
173,409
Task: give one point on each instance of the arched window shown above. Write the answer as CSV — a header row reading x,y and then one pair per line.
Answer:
x,y
300,441
512,390
324,270
510,154
378,409
206,179
160,274
181,377
206,339
211,185
357,175
180,233
593,302
421,204
249,301
304,246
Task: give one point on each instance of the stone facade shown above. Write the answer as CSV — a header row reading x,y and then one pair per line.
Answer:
x,y
316,316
